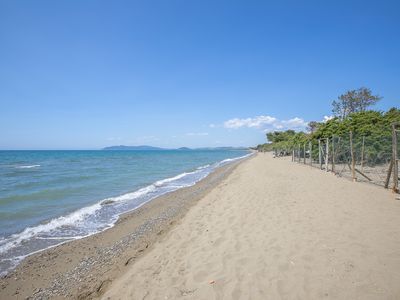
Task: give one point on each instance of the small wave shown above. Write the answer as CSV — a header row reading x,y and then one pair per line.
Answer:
x,y
27,167
29,232
130,196
72,219
164,181
180,176
233,159
203,167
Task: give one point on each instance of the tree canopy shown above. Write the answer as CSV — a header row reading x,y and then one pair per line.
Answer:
x,y
354,101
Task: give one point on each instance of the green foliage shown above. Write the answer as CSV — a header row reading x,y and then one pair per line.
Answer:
x,y
373,129
369,128
374,126
365,123
280,136
283,140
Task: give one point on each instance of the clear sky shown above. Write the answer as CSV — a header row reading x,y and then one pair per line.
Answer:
x,y
88,74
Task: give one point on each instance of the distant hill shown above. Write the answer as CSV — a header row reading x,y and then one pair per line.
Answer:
x,y
143,147
223,148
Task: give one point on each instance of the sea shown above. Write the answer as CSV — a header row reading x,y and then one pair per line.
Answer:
x,y
52,197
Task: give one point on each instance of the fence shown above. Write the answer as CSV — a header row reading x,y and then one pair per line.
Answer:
x,y
373,159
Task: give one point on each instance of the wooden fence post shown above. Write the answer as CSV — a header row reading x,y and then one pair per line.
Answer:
x,y
319,154
395,160
298,147
292,155
304,153
327,155
333,154
353,161
362,153
310,146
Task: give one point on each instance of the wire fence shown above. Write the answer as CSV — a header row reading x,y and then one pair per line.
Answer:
x,y
372,159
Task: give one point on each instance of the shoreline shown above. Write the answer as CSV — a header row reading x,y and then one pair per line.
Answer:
x,y
95,217
84,267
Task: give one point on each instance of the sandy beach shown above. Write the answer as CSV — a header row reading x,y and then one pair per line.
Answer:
x,y
262,228
274,229
174,150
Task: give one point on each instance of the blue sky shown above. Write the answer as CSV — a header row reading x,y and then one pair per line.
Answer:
x,y
88,74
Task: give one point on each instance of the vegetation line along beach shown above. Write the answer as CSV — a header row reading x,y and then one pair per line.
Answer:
x,y
356,142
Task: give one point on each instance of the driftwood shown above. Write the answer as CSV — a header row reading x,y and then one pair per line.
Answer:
x,y
395,159
359,172
389,174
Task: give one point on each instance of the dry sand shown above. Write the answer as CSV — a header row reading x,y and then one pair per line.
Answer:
x,y
274,229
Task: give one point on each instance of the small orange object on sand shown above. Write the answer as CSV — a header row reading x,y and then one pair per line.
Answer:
x,y
212,281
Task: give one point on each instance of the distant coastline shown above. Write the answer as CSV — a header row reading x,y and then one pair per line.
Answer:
x,y
151,148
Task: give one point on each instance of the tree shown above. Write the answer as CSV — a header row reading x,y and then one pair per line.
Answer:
x,y
279,136
312,126
354,101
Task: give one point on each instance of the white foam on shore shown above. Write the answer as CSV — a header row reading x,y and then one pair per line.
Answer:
x,y
71,219
131,196
233,159
175,178
203,167
29,232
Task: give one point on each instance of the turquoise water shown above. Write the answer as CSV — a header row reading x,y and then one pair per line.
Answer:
x,y
49,197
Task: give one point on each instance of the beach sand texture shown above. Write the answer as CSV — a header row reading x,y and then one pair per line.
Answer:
x,y
274,229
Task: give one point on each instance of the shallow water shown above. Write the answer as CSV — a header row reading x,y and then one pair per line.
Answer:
x,y
49,197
